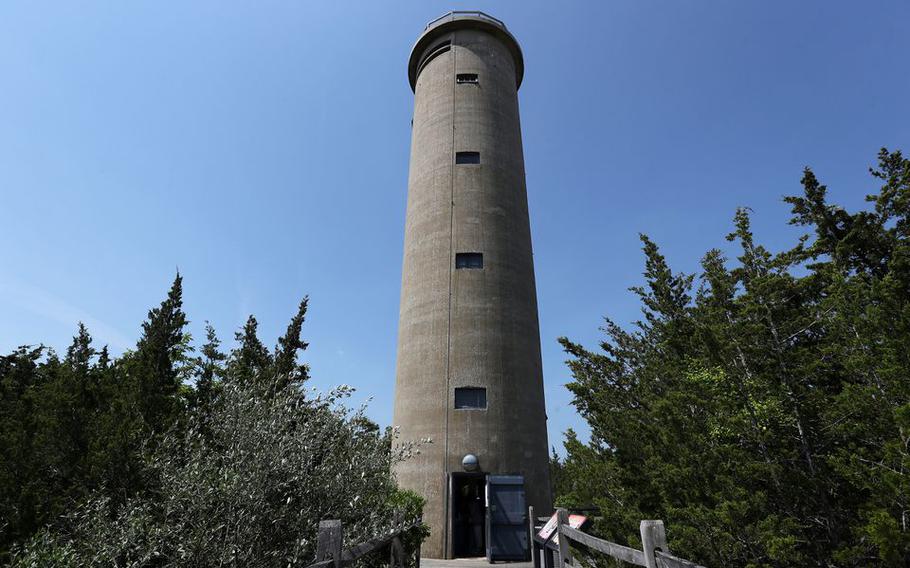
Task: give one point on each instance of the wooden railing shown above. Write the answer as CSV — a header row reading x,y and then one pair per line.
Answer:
x,y
654,554
330,555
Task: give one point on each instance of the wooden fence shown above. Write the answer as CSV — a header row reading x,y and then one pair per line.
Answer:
x,y
330,555
655,553
546,553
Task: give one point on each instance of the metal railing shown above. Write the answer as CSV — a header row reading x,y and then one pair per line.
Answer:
x,y
475,13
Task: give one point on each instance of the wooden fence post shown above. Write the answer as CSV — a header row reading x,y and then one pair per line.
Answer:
x,y
328,543
396,559
653,537
396,554
562,519
417,556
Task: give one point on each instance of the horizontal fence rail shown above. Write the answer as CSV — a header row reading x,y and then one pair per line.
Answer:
x,y
555,550
667,560
624,553
329,553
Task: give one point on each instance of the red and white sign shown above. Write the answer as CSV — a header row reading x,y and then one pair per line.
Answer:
x,y
575,521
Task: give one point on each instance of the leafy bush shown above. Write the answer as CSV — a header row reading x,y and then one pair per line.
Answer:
x,y
243,483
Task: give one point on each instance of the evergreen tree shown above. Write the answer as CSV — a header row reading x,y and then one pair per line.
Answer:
x,y
86,425
49,419
764,414
250,360
286,368
210,369
20,492
155,365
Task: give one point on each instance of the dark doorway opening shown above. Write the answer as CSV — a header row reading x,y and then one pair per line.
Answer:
x,y
469,513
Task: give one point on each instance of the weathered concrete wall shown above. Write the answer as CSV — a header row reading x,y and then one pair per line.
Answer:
x,y
474,328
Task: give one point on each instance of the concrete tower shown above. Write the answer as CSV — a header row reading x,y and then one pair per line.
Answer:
x,y
469,369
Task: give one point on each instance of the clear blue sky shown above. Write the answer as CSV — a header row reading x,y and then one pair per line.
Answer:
x,y
262,148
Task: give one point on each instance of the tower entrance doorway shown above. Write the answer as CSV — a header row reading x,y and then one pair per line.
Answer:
x,y
469,515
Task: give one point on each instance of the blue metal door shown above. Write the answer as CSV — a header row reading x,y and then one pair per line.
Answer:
x,y
507,518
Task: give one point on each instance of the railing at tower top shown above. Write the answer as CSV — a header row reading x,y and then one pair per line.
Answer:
x,y
555,550
477,14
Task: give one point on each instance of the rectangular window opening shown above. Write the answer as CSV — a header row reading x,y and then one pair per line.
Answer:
x,y
469,260
466,78
470,397
467,157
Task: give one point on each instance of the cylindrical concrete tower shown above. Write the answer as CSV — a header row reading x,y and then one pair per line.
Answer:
x,y
469,369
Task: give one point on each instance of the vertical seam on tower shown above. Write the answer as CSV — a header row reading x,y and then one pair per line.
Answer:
x,y
445,457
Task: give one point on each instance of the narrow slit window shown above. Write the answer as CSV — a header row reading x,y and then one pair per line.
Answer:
x,y
470,397
469,260
466,78
467,157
